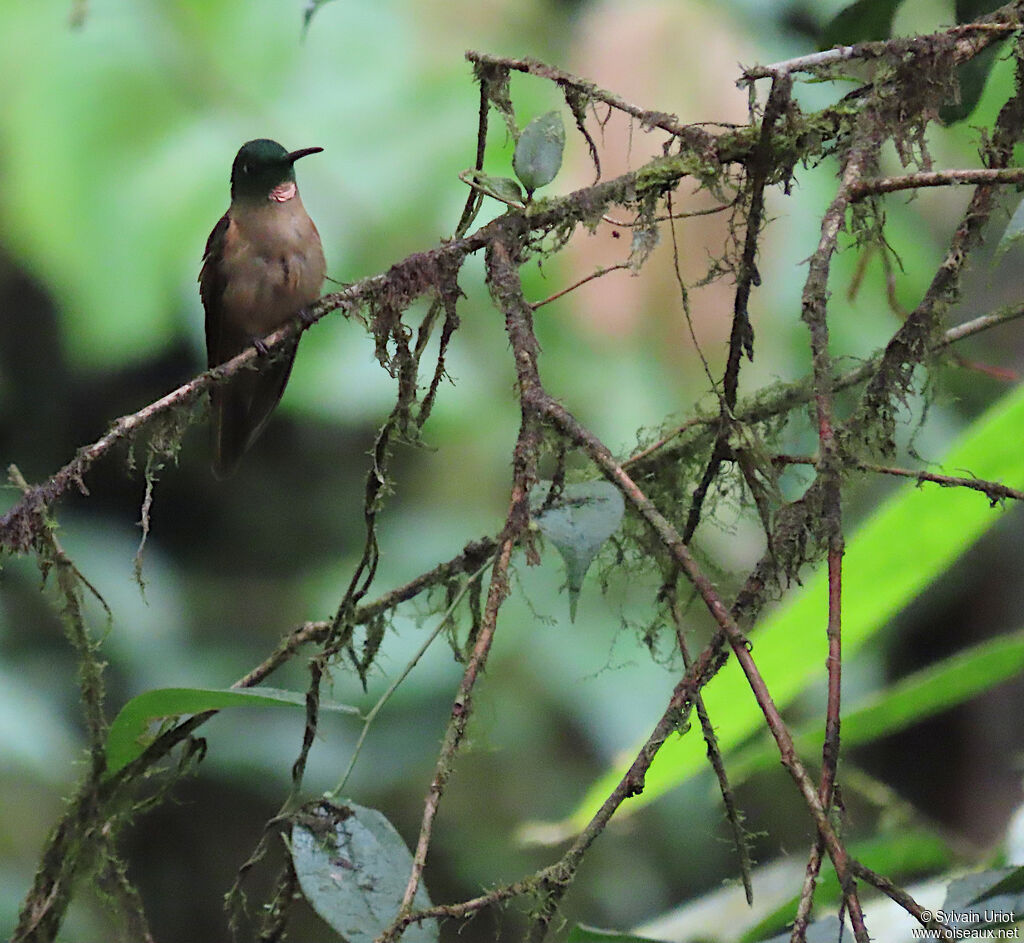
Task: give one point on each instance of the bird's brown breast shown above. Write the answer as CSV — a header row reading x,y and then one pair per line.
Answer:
x,y
272,265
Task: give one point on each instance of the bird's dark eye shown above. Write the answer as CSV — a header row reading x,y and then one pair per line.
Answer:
x,y
245,168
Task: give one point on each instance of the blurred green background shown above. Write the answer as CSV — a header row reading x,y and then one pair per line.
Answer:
x,y
116,138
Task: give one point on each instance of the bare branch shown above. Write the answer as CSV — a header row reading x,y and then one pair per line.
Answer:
x,y
994,490
972,38
936,178
902,898
600,273
694,136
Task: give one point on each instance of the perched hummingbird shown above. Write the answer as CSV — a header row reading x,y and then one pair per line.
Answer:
x,y
263,263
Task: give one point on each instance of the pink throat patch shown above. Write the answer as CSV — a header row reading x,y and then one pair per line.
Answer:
x,y
283,192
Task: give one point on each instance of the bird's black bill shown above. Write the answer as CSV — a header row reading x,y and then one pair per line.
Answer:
x,y
304,152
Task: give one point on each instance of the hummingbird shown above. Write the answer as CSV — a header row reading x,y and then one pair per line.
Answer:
x,y
263,263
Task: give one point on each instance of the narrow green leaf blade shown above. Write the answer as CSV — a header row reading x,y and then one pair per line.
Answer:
x,y
1012,883
125,740
353,867
584,934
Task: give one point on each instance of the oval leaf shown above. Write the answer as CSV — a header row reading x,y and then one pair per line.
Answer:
x,y
578,522
353,867
859,22
501,188
538,154
127,737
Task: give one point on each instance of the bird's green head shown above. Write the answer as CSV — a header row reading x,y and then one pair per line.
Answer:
x,y
262,170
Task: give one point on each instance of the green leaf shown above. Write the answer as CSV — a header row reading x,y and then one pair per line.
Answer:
x,y
999,888
578,522
928,691
1013,232
126,739
538,154
967,11
501,188
1012,883
353,868
584,934
907,543
863,21
972,76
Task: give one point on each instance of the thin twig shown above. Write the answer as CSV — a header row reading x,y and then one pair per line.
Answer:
x,y
995,491
475,198
902,898
525,349
732,812
684,296
814,308
806,63
686,214
830,747
371,715
741,336
471,557
583,281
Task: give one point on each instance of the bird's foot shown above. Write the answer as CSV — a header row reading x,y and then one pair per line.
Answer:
x,y
307,317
